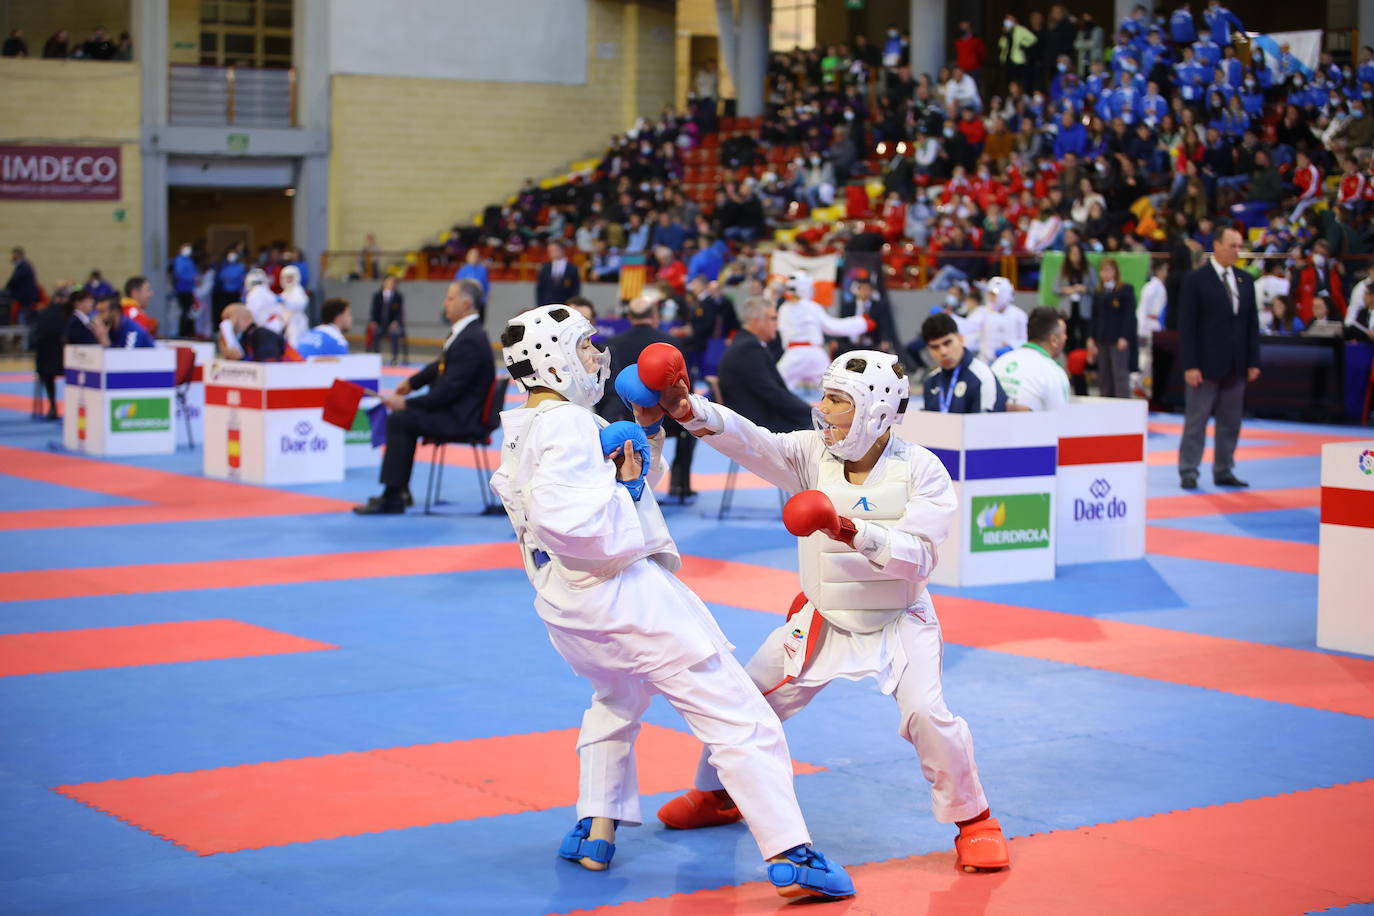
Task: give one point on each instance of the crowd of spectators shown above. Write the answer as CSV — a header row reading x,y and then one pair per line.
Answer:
x,y
60,46
1147,138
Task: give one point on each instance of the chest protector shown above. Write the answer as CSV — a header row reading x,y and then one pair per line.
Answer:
x,y
837,579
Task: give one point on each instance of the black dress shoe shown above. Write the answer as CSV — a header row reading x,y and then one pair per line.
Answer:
x,y
379,505
1229,480
1188,483
407,498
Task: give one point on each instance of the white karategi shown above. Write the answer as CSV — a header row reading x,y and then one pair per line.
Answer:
x,y
602,567
803,324
295,300
266,308
879,620
1004,328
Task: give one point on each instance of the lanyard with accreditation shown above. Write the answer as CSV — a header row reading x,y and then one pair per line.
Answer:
x,y
947,397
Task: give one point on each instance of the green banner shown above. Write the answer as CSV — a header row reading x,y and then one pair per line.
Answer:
x,y
1020,521
140,415
1135,270
360,433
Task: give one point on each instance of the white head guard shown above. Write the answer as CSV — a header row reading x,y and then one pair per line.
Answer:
x,y
999,293
540,349
801,285
290,275
255,277
872,381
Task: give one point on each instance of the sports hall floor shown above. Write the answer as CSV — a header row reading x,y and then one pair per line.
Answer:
x,y
221,698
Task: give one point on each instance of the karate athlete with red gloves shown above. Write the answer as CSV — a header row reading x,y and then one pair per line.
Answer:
x,y
601,560
871,511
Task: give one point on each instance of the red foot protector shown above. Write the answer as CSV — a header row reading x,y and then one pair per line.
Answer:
x,y
982,845
1250,858
316,798
145,644
697,808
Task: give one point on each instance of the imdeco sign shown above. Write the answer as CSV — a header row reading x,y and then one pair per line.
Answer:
x,y
59,173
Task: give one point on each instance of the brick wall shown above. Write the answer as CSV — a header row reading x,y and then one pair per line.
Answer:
x,y
412,157
75,103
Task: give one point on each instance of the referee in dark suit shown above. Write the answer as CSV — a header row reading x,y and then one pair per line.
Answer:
x,y
1218,331
459,383
749,381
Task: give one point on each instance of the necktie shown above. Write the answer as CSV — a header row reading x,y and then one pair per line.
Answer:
x,y
1231,290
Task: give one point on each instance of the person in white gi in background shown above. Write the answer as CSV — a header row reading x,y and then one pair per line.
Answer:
x,y
1031,374
1005,324
802,324
1149,316
294,301
871,511
602,561
262,302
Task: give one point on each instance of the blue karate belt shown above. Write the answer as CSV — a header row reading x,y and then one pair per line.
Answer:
x,y
540,558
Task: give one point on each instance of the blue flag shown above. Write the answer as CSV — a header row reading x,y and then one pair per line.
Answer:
x,y
376,417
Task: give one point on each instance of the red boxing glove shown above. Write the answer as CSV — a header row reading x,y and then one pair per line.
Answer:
x,y
661,367
811,511
872,325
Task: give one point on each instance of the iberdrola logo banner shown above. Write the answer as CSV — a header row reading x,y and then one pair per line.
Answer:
x,y
1020,521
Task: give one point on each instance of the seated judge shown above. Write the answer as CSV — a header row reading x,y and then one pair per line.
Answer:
x,y
241,338
749,381
85,326
458,382
960,383
327,338
125,332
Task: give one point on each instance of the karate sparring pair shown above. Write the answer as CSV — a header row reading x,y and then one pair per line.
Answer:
x,y
601,563
601,560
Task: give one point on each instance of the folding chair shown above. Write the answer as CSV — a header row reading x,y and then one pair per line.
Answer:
x,y
485,463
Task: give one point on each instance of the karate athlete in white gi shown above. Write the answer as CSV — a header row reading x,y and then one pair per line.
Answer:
x,y
1005,325
803,323
602,561
871,511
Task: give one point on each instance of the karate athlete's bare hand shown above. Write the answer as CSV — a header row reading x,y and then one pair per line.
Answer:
x,y
627,463
674,400
647,416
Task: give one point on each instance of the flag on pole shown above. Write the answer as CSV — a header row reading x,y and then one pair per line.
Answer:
x,y
821,269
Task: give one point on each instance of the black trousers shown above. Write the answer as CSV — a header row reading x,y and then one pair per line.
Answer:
x,y
185,328
680,475
403,431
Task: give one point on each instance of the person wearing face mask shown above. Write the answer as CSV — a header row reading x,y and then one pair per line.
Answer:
x,y
1356,131
1320,277
229,279
184,276
579,494
1005,325
1307,183
870,513
458,384
1013,51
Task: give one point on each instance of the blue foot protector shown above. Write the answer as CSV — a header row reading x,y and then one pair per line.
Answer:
x,y
814,873
576,846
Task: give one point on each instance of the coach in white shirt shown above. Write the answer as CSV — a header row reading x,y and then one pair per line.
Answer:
x,y
1031,374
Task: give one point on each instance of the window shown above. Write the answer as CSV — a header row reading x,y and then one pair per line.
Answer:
x,y
794,25
247,33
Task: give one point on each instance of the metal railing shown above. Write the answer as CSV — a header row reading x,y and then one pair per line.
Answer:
x,y
238,96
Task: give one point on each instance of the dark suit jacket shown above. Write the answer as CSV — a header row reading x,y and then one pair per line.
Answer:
x,y
23,284
751,386
881,312
1211,337
548,292
1113,318
458,383
625,349
382,316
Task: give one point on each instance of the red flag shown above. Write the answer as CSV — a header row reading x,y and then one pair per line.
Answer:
x,y
341,404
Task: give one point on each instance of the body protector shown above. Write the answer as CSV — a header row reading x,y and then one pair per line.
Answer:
x,y
838,580
879,390
540,350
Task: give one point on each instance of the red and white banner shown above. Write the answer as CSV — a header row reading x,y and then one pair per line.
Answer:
x,y
821,269
60,173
